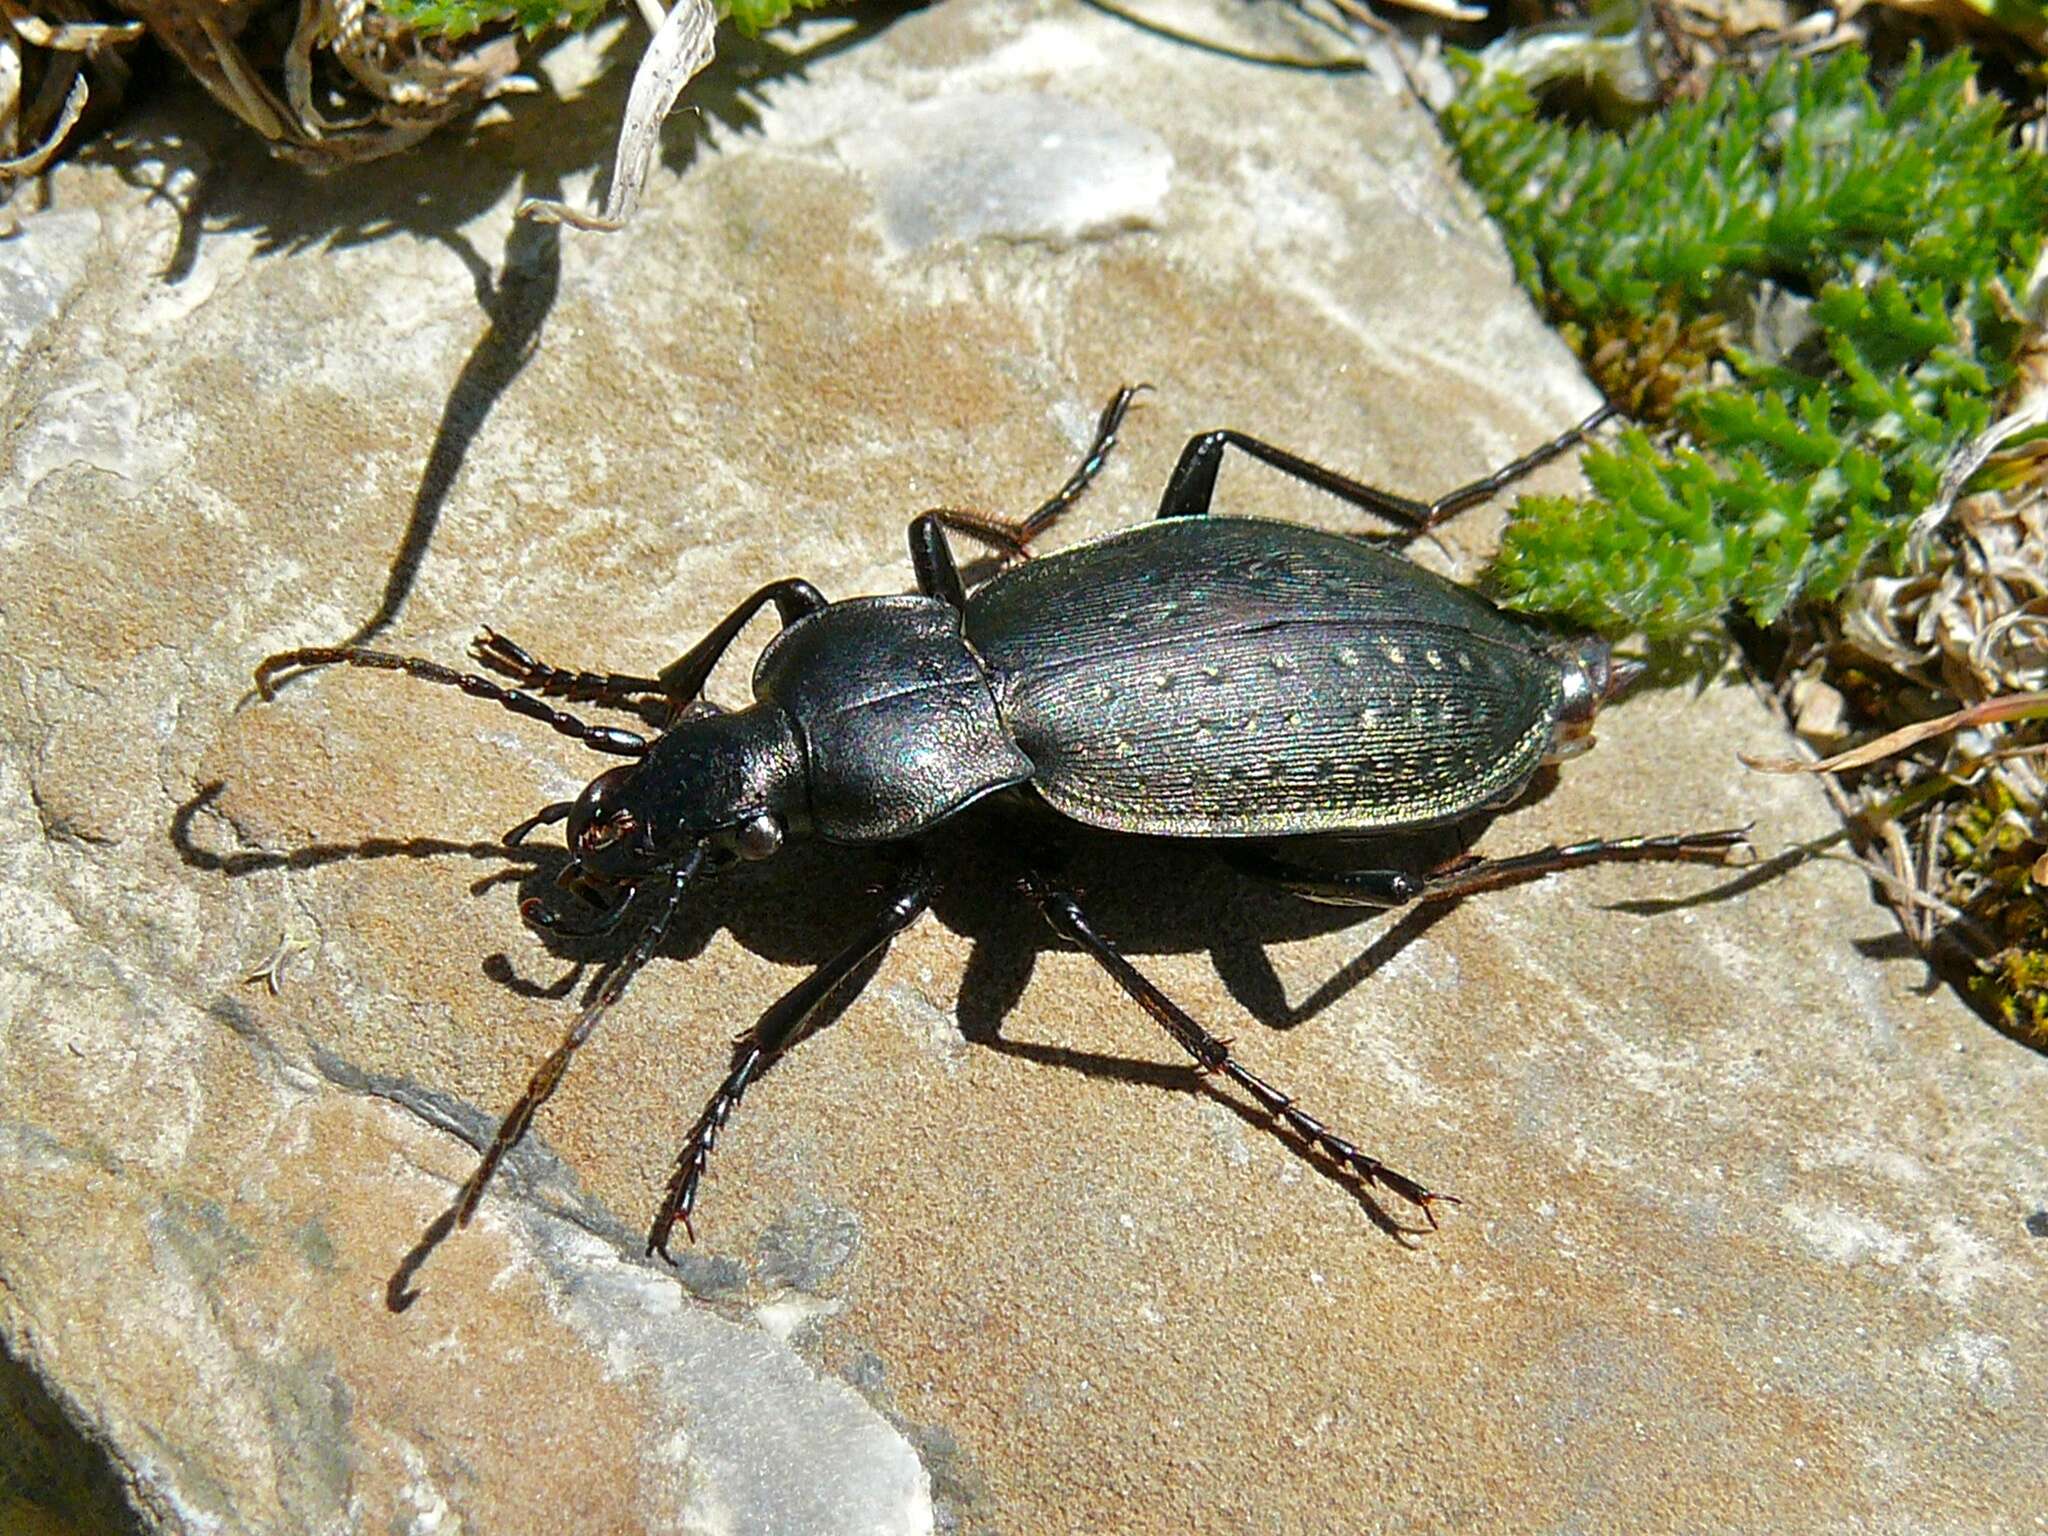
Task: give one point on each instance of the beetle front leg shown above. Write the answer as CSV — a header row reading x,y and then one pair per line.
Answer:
x,y
614,690
680,682
781,1029
1213,1056
683,679
931,557
548,1076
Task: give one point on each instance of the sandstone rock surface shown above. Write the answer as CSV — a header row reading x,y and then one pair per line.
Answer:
x,y
1753,1225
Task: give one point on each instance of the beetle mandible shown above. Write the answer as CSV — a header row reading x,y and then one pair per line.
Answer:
x,y
1205,677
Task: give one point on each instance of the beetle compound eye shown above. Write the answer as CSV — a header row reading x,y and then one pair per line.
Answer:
x,y
760,838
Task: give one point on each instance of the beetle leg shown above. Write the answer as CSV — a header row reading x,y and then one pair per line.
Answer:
x,y
683,679
1192,486
1463,876
931,557
1378,888
615,690
1013,536
680,682
545,1080
784,1026
1385,888
1213,1056
1486,487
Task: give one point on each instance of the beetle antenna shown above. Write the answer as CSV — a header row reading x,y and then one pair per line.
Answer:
x,y
542,1085
599,738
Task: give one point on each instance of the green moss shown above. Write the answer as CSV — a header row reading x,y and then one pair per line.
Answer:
x,y
1995,846
1899,223
1893,228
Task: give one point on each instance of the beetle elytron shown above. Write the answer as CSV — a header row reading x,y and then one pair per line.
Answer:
x,y
1196,677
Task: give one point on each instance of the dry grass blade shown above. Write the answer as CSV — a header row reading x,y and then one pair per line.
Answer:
x,y
680,50
352,83
51,62
2014,706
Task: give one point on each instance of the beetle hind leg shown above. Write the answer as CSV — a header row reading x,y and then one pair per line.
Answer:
x,y
1461,877
1387,888
1378,889
1214,1059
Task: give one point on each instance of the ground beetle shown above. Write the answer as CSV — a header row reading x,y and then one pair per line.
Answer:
x,y
1198,677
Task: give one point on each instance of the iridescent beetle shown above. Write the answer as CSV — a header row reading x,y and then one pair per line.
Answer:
x,y
1241,682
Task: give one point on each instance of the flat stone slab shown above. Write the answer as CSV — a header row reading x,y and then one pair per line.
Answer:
x,y
1752,1234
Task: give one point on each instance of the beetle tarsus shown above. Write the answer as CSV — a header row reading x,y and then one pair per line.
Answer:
x,y
1466,875
1013,536
1486,487
614,690
750,1058
1192,486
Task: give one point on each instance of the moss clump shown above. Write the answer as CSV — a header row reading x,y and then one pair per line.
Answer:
x,y
1998,848
1899,225
1816,292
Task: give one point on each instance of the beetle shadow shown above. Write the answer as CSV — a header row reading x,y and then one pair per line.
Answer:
x,y
222,179
518,301
791,911
252,861
1148,896
1152,897
451,181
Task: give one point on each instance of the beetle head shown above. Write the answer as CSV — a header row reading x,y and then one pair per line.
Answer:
x,y
713,790
1592,676
720,782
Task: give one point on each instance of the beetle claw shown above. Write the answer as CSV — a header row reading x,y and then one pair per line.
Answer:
x,y
1429,1203
1405,1188
664,1229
